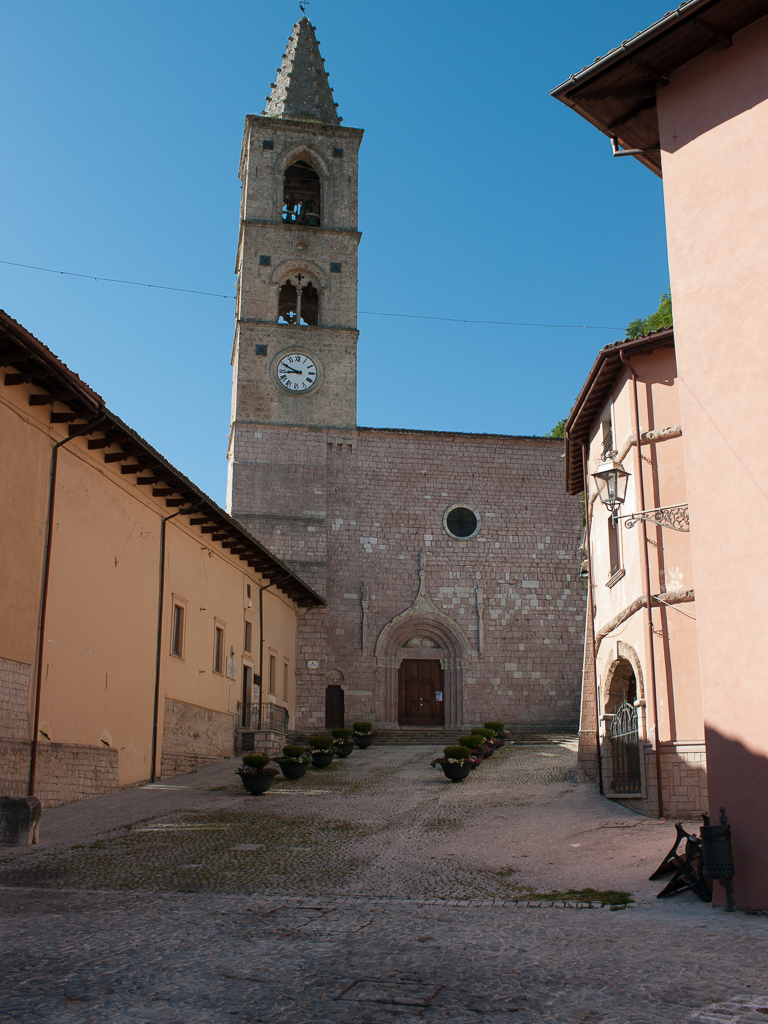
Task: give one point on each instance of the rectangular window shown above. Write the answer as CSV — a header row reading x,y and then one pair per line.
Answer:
x,y
177,631
272,674
285,680
613,545
248,636
218,650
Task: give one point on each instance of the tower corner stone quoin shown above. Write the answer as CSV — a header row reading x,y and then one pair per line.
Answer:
x,y
363,514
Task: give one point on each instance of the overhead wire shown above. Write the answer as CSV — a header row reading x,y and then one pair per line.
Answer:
x,y
360,312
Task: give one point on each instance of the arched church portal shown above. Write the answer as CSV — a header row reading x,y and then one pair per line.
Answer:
x,y
424,659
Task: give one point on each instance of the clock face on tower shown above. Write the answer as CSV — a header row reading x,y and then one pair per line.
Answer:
x,y
297,372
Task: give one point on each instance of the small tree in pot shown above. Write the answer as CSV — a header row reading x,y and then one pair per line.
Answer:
x,y
344,742
323,750
455,762
498,728
490,737
294,761
363,734
255,773
477,745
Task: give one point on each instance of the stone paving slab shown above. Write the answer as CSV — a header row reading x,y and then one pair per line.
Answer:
x,y
202,958
372,893
381,823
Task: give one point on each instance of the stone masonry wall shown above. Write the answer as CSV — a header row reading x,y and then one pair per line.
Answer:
x,y
193,736
512,590
65,771
588,770
683,781
14,699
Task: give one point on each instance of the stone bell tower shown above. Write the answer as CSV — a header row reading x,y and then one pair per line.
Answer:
x,y
295,351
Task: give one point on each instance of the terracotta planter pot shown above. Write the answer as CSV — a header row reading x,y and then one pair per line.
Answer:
x,y
321,758
257,784
345,749
456,772
363,741
292,769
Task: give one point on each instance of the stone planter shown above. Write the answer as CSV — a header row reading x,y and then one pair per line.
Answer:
x,y
456,772
345,749
294,769
363,741
322,758
257,784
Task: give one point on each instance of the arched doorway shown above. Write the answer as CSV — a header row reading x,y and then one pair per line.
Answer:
x,y
624,752
449,653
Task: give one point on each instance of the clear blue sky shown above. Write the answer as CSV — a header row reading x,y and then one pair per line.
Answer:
x,y
480,198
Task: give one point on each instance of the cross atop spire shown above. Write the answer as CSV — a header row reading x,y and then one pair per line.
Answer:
x,y
301,91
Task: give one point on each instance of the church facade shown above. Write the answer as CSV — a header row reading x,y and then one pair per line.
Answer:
x,y
448,560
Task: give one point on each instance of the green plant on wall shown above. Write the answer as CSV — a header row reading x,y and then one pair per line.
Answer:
x,y
656,321
558,431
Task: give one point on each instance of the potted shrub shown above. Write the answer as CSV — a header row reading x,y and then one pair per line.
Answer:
x,y
363,734
489,735
322,751
344,742
294,761
476,744
498,728
455,762
255,773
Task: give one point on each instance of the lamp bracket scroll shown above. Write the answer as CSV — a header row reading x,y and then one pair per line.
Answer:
x,y
674,517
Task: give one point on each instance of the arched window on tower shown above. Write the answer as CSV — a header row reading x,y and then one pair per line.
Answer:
x,y
298,303
301,195
309,304
286,308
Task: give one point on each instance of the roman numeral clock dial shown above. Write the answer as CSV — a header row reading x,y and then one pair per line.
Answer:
x,y
297,372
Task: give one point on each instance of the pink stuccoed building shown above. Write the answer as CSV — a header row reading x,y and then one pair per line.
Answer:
x,y
688,98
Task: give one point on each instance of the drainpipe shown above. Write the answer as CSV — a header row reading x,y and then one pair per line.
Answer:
x,y
588,518
261,638
86,429
158,652
649,647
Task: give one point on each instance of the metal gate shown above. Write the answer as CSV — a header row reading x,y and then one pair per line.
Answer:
x,y
624,743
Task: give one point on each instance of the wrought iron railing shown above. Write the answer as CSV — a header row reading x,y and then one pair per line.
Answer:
x,y
267,716
624,742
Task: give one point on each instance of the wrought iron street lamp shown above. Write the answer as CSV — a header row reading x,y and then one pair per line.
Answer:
x,y
611,479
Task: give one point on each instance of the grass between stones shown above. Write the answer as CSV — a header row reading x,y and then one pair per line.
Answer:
x,y
605,897
196,853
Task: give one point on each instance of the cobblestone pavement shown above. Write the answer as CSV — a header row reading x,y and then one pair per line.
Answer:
x,y
374,891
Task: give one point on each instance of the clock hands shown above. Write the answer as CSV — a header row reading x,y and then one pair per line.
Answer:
x,y
286,369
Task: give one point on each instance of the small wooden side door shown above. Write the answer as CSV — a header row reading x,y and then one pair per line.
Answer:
x,y
419,684
334,707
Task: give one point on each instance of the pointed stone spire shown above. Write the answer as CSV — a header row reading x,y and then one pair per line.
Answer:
x,y
301,91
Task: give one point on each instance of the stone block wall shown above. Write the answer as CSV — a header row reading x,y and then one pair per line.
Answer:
x,y
587,764
683,782
264,742
193,736
65,771
511,594
15,678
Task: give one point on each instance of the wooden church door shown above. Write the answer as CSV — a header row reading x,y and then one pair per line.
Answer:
x,y
420,696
